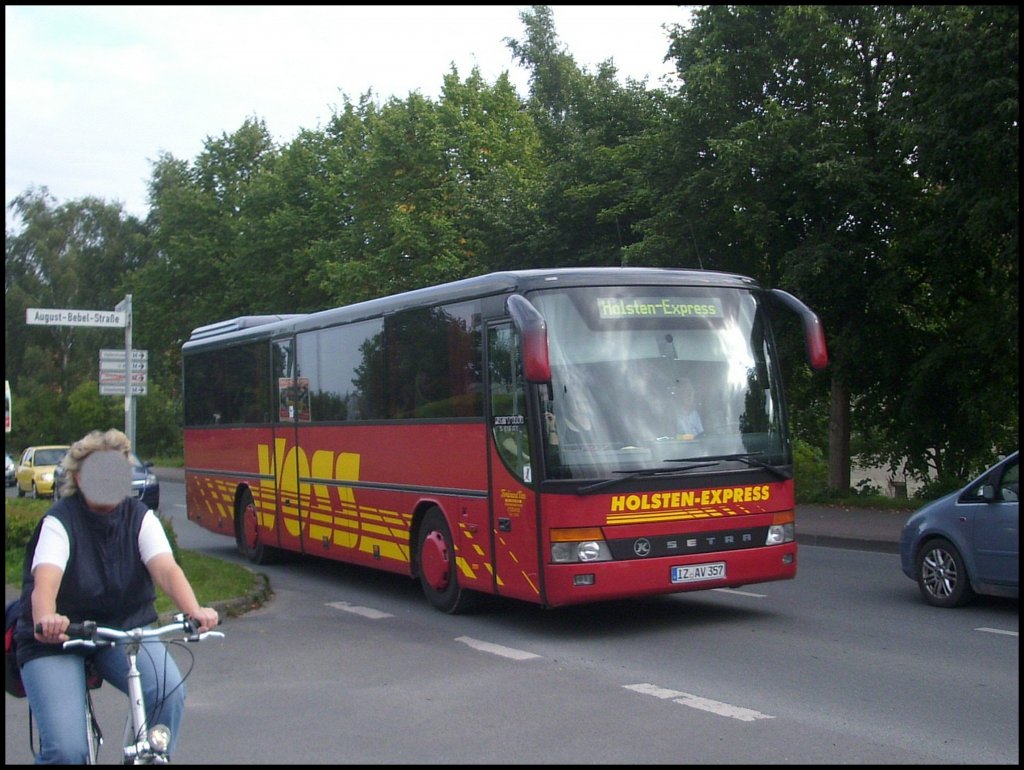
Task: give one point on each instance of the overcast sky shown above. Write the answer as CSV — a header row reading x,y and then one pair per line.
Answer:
x,y
95,93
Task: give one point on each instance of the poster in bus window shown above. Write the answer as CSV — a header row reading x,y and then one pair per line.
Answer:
x,y
293,398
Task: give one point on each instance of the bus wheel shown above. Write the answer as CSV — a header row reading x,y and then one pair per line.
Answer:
x,y
247,533
437,570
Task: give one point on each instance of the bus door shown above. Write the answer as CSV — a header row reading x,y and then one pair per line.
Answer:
x,y
513,506
285,456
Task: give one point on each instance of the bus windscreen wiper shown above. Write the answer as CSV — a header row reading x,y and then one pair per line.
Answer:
x,y
646,473
747,458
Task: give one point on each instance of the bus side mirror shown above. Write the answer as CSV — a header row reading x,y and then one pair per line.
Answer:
x,y
814,334
533,331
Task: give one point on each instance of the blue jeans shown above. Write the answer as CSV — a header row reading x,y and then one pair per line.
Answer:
x,y
55,686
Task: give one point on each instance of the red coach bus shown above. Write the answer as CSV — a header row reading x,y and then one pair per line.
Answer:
x,y
522,434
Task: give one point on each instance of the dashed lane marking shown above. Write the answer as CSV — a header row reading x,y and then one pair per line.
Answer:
x,y
366,612
997,631
739,593
697,702
496,649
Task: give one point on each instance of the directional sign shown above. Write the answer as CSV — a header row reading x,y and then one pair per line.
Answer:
x,y
117,354
41,316
112,372
113,361
107,389
112,383
113,378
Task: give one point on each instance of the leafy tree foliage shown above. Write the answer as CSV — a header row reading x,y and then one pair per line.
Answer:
x,y
952,397
438,191
79,255
588,201
796,169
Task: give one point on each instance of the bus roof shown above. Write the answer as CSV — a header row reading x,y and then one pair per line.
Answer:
x,y
254,326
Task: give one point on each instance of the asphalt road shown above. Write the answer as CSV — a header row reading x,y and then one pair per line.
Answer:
x,y
843,665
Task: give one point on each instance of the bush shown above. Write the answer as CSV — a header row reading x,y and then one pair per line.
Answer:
x,y
172,536
933,489
21,516
810,473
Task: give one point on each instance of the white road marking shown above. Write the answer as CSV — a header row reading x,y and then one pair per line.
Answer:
x,y
366,612
697,702
997,631
496,649
739,593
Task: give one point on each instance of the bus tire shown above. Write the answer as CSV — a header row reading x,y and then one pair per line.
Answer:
x,y
438,573
247,533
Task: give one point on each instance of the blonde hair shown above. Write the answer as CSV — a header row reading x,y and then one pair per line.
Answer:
x,y
93,441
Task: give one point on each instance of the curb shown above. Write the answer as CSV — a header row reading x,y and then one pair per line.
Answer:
x,y
233,608
226,608
857,544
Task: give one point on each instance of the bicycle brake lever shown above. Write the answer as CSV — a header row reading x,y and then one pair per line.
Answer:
x,y
205,635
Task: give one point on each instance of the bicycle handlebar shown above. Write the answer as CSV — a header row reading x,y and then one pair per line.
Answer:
x,y
90,634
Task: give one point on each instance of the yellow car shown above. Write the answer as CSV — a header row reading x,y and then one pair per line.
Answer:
x,y
34,474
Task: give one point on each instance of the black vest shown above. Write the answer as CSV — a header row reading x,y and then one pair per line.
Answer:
x,y
104,580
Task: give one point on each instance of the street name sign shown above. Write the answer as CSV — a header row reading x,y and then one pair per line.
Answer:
x,y
41,316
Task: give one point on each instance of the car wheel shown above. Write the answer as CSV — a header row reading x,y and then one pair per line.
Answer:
x,y
942,576
21,492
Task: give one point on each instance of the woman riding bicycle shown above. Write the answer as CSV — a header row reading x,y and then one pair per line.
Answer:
x,y
96,556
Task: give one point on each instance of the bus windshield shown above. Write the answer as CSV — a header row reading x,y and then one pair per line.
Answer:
x,y
647,377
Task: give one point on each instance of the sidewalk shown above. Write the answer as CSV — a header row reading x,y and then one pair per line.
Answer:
x,y
864,529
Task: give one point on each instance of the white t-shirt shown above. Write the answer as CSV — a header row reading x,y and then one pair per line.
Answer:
x,y
54,546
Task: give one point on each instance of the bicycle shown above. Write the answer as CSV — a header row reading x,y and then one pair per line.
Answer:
x,y
143,744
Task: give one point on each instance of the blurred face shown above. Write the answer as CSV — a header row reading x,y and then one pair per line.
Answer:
x,y
105,478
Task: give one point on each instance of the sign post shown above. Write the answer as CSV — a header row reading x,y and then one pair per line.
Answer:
x,y
125,306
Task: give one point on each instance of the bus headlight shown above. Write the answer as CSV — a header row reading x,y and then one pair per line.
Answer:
x,y
575,546
780,533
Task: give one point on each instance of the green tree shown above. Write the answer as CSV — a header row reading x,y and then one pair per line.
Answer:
x,y
205,266
948,396
591,196
439,191
794,169
77,255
